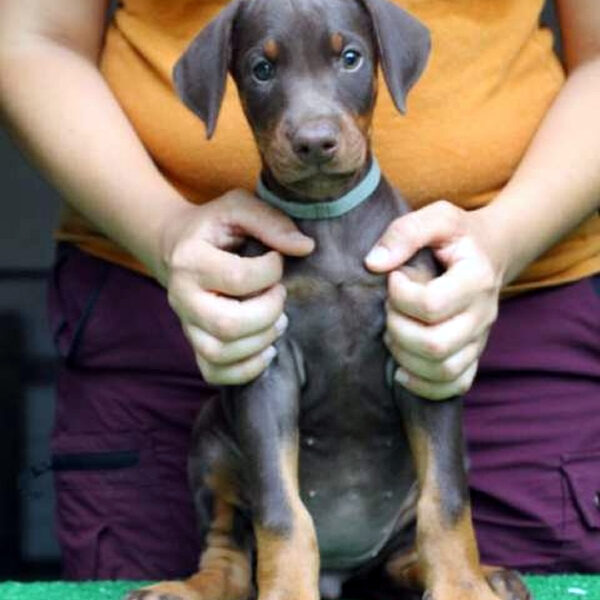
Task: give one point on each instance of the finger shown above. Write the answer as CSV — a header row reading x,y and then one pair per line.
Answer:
x,y
265,223
442,297
444,371
433,390
237,373
413,299
435,342
433,225
234,275
217,352
228,319
456,289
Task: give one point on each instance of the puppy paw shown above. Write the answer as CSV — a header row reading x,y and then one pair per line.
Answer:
x,y
167,590
508,585
466,591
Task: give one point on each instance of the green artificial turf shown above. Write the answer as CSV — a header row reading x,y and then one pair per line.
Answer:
x,y
555,587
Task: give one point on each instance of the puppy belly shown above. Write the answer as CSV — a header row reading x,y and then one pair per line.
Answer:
x,y
357,505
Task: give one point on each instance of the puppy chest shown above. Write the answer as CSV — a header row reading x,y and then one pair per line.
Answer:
x,y
338,316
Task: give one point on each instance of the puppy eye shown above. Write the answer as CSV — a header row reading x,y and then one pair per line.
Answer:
x,y
351,59
263,70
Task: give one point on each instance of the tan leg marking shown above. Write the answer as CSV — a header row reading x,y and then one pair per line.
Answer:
x,y
288,565
224,573
447,560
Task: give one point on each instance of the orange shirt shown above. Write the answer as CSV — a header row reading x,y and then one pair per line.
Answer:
x,y
490,79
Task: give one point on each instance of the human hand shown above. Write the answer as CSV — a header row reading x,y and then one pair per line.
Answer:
x,y
437,330
230,307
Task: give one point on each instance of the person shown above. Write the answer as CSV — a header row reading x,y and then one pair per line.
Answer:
x,y
500,156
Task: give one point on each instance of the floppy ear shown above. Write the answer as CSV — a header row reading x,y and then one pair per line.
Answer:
x,y
403,44
200,74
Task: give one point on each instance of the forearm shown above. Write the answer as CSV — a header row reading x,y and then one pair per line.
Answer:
x,y
557,184
63,113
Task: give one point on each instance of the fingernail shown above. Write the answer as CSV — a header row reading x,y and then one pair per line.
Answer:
x,y
300,238
378,256
401,376
269,354
281,324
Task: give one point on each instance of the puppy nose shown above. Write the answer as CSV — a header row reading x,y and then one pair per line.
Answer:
x,y
316,142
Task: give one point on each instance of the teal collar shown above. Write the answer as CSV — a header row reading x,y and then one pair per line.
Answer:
x,y
325,210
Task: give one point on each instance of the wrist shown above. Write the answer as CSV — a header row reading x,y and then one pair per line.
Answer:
x,y
496,240
171,220
142,231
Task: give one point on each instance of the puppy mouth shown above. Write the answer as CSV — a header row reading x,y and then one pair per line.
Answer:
x,y
319,183
326,171
322,172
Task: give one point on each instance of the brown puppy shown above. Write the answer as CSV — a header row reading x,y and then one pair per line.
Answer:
x,y
323,469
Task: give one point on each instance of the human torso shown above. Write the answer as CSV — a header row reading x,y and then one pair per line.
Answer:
x,y
491,78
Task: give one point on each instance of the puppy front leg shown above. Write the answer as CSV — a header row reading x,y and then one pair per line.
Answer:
x,y
447,557
266,416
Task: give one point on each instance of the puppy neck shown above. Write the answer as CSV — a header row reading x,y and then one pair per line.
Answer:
x,y
269,191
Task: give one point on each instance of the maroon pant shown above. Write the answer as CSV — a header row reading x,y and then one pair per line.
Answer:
x,y
128,390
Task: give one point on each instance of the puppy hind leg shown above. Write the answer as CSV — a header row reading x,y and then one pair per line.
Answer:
x,y
225,571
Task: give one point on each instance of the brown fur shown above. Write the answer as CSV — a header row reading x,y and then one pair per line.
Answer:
x,y
319,442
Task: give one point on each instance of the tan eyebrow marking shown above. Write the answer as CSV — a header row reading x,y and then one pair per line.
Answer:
x,y
271,49
337,42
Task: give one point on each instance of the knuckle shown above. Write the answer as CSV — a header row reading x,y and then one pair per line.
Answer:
x,y
173,299
226,327
208,372
392,323
413,227
463,386
436,349
446,207
484,324
449,370
488,281
277,296
249,371
451,215
232,198
397,226
448,210
212,350
236,277
181,255
430,309
465,383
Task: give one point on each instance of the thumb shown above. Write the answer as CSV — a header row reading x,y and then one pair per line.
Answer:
x,y
269,225
434,225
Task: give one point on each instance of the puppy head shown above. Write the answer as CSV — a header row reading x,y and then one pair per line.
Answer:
x,y
306,73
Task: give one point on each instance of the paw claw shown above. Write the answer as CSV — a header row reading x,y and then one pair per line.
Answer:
x,y
136,595
150,594
508,585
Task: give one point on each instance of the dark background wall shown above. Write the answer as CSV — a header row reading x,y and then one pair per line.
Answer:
x,y
29,208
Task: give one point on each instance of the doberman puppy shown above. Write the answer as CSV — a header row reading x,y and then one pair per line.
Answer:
x,y
324,469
